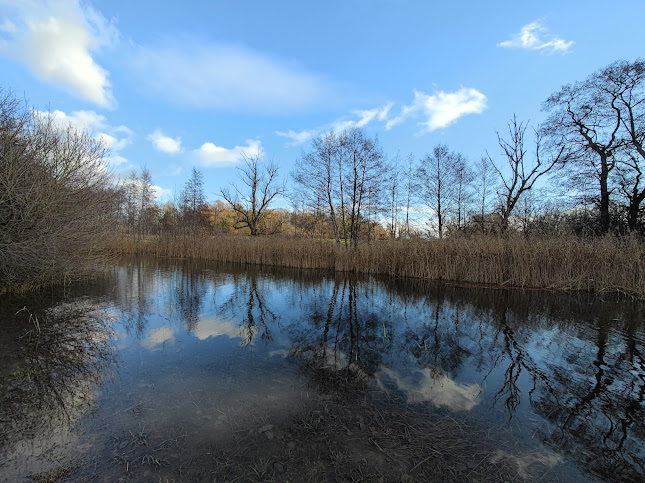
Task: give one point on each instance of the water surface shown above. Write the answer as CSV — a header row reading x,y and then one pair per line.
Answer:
x,y
193,372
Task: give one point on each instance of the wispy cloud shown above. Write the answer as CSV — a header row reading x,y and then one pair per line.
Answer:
x,y
357,118
114,138
535,36
211,155
56,41
164,143
441,109
195,73
298,137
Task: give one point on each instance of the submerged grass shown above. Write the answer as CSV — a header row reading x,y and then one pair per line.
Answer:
x,y
603,265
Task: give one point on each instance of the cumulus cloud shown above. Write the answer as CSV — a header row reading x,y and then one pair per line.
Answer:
x,y
159,193
535,36
441,109
56,40
358,118
210,154
114,138
164,143
200,74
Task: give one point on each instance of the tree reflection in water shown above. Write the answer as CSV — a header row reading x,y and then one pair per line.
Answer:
x,y
562,369
574,360
50,375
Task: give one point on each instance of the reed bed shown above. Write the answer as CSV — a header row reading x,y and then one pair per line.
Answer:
x,y
604,265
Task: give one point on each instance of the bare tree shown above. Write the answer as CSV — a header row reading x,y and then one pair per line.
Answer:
x,y
622,86
586,121
364,178
56,201
146,199
261,187
346,171
484,172
409,191
394,194
315,174
522,173
463,190
437,184
193,204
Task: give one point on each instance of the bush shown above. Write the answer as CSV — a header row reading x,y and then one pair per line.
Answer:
x,y
55,199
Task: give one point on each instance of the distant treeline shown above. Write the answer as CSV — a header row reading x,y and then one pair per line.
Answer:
x,y
571,183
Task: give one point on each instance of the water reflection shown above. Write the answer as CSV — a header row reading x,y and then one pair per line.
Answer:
x,y
574,361
216,353
54,361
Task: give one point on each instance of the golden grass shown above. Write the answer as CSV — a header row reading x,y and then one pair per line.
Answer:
x,y
605,265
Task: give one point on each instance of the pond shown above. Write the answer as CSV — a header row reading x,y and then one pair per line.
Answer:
x,y
196,372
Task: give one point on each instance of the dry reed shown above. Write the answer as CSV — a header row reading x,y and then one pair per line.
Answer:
x,y
605,265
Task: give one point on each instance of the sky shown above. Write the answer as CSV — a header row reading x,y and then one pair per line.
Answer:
x,y
174,85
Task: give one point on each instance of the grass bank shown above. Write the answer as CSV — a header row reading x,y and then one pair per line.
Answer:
x,y
604,265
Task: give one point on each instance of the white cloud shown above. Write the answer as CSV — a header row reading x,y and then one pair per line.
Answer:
x,y
164,143
117,160
212,75
298,137
441,109
55,40
531,38
210,154
160,192
114,138
364,117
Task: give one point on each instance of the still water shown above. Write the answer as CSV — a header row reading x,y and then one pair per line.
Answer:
x,y
193,372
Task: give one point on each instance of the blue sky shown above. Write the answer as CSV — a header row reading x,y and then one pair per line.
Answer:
x,y
176,85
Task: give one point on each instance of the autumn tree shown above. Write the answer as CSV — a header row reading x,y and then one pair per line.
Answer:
x,y
260,187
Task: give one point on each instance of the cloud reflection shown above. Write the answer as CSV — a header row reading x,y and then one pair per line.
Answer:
x,y
214,327
158,336
435,386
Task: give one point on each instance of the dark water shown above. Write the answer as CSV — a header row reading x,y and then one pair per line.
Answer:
x,y
166,372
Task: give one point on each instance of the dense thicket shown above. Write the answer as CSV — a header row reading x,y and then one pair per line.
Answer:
x,y
56,204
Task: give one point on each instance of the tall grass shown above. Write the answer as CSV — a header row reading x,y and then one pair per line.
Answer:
x,y
605,265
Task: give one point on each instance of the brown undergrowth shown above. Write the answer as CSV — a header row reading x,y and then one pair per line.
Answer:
x,y
607,265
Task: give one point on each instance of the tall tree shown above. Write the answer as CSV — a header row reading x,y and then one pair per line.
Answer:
x,y
622,86
585,119
364,177
346,171
484,175
463,190
436,184
193,203
521,173
315,174
260,188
